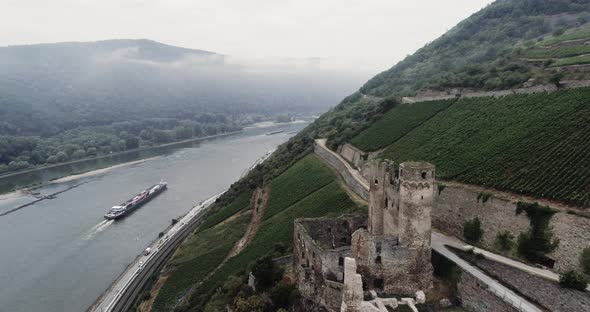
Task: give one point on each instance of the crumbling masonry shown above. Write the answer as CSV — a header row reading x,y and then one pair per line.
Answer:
x,y
390,249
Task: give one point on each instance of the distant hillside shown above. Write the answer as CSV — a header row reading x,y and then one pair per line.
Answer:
x,y
485,50
48,88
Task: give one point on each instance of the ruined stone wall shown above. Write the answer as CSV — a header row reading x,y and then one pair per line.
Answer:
x,y
351,154
319,252
476,297
341,166
389,268
455,204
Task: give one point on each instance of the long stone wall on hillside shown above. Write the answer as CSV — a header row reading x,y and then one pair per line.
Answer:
x,y
352,154
342,167
566,84
455,204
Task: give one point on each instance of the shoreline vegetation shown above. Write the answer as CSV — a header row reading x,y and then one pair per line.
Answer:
x,y
139,149
67,176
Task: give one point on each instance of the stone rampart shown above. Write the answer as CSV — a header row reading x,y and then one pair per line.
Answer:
x,y
455,204
351,154
344,169
500,93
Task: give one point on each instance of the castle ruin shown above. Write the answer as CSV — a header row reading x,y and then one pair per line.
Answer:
x,y
390,249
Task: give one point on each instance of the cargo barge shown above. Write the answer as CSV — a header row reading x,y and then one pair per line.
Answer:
x,y
137,201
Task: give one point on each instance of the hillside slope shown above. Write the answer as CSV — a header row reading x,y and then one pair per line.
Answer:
x,y
48,88
530,144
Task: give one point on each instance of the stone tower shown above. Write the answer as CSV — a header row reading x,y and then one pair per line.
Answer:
x,y
416,188
394,252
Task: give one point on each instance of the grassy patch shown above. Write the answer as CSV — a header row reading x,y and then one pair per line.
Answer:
x,y
329,200
305,177
557,52
571,35
576,60
197,257
396,123
238,204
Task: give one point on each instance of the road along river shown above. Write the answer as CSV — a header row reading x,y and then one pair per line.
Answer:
x,y
60,254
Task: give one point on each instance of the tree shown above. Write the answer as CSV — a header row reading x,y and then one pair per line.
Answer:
x,y
504,240
538,240
62,156
52,159
556,79
585,260
284,295
79,154
91,151
265,272
573,279
131,142
253,303
472,230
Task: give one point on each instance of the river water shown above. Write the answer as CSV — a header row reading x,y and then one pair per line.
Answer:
x,y
60,254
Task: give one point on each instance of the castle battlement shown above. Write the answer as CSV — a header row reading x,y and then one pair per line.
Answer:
x,y
391,247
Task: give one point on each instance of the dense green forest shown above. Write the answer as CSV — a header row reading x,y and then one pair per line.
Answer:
x,y
21,152
67,101
482,52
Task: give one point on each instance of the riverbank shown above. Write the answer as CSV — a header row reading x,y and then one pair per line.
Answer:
x,y
29,179
73,162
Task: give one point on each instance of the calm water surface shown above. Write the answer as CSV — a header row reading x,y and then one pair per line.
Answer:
x,y
60,254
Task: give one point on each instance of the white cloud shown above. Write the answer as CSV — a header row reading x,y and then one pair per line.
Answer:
x,y
364,35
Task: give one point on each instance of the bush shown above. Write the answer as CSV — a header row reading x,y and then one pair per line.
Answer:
x,y
265,272
538,240
585,260
504,240
472,230
573,279
283,296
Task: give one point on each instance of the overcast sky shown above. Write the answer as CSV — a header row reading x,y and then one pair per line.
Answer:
x,y
354,34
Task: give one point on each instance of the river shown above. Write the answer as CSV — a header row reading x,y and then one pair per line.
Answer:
x,y
60,254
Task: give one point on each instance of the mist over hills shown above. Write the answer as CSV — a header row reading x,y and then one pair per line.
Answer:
x,y
48,88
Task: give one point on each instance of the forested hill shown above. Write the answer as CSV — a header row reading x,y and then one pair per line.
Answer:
x,y
48,88
485,50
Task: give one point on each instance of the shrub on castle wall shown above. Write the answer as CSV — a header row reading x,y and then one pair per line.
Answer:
x,y
585,261
535,243
472,230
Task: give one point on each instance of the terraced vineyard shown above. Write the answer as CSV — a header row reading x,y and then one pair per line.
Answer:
x,y
396,123
531,144
319,200
197,257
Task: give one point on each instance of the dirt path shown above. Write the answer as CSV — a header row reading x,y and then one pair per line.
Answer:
x,y
259,202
